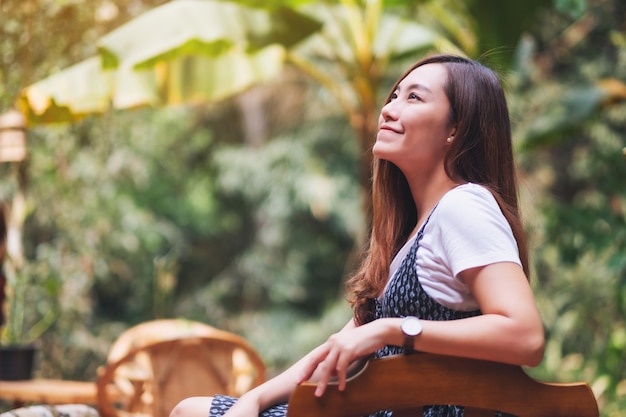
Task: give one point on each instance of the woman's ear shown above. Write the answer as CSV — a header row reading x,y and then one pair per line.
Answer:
x,y
450,137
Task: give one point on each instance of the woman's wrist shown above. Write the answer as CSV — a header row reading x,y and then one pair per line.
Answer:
x,y
389,331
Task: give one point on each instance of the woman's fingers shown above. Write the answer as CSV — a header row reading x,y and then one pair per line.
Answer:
x,y
341,370
327,370
335,365
312,362
331,359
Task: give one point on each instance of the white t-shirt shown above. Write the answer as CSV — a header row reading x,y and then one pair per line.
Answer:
x,y
467,229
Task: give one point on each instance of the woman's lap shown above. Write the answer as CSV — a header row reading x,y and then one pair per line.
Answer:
x,y
222,403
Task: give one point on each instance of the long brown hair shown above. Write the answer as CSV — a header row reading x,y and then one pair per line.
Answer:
x,y
481,153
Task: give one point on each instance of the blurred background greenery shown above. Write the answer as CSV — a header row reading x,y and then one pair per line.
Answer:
x,y
253,224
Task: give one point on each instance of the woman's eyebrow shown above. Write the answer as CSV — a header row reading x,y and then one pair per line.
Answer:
x,y
413,87
418,86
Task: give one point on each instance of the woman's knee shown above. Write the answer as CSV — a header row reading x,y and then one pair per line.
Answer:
x,y
192,407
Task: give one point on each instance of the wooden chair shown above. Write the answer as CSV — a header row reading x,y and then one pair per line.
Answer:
x,y
152,377
406,383
155,331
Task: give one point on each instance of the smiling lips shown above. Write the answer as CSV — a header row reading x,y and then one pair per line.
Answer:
x,y
387,127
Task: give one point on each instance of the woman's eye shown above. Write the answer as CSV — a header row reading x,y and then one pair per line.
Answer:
x,y
413,96
393,96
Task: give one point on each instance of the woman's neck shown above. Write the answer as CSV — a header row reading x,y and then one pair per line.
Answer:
x,y
426,195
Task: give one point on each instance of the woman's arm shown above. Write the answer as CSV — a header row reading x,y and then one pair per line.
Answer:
x,y
279,388
510,329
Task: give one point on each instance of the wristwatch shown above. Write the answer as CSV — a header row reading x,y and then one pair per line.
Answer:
x,y
411,327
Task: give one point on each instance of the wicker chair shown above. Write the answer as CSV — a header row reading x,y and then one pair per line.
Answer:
x,y
147,374
407,383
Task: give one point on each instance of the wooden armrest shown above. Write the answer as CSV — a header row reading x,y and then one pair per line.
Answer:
x,y
412,381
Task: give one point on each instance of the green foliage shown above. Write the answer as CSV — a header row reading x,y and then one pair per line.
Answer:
x,y
33,304
29,53
285,336
499,24
152,217
306,215
573,8
575,201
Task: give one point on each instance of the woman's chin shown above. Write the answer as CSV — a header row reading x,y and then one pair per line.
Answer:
x,y
382,150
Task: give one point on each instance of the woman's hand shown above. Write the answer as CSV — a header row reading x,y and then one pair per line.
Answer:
x,y
334,357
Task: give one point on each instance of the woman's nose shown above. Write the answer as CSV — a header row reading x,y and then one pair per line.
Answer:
x,y
388,112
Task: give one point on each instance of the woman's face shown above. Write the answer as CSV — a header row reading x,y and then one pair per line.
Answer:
x,y
414,126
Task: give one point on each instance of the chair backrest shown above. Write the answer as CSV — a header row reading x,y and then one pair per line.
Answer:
x,y
406,383
154,331
150,379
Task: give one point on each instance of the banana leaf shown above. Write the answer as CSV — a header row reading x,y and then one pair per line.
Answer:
x,y
186,51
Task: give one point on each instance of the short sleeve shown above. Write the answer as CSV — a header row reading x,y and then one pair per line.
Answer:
x,y
473,229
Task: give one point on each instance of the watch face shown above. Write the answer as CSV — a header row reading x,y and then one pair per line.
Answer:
x,y
411,326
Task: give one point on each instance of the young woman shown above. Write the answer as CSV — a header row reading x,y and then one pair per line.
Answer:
x,y
446,270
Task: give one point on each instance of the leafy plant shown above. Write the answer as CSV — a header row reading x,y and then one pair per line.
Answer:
x,y
28,315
